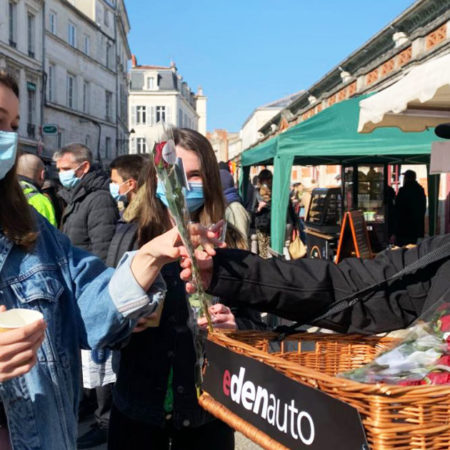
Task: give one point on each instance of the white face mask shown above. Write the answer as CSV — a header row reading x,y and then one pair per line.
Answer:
x,y
8,151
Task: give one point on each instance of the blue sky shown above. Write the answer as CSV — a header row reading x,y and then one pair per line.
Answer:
x,y
245,53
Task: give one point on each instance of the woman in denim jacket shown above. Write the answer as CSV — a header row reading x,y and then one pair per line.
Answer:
x,y
84,304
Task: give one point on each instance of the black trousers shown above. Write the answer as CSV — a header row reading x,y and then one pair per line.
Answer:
x,y
126,433
104,403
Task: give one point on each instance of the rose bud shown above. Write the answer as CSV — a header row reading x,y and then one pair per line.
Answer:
x,y
443,360
444,323
438,378
157,152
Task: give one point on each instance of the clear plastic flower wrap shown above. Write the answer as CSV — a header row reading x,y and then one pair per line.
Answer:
x,y
171,174
421,356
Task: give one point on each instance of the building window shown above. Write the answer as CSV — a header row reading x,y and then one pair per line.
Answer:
x,y
31,110
150,83
51,83
108,105
87,141
52,22
107,147
160,114
86,97
141,145
106,17
109,55
71,34
30,34
141,115
87,44
70,91
12,24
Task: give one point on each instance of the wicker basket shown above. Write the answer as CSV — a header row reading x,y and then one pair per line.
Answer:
x,y
394,417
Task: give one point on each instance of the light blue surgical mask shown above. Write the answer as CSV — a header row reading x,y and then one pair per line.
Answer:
x,y
68,178
194,196
8,151
161,193
114,191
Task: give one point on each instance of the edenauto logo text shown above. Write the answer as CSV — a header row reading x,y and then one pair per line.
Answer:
x,y
286,417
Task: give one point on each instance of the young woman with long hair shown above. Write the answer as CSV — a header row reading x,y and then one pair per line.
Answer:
x,y
155,401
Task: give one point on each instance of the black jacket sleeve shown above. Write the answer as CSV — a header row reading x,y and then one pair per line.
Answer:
x,y
303,289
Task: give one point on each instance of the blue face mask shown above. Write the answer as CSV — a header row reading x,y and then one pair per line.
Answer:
x,y
194,197
68,178
116,195
8,150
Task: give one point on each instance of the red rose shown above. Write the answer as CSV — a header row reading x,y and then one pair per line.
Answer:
x,y
438,378
157,152
444,323
444,360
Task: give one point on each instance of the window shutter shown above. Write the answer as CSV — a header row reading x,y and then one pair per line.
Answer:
x,y
133,115
133,145
168,116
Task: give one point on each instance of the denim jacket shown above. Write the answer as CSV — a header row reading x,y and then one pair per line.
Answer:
x,y
84,305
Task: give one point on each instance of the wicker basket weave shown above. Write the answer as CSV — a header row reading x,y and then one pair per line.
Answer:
x,y
394,417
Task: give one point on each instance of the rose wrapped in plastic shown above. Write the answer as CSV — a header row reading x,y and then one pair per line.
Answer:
x,y
171,175
421,357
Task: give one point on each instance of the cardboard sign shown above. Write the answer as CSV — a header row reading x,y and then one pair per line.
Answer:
x,y
295,415
354,238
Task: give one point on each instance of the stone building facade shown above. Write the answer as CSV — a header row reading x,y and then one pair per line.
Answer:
x,y
85,71
159,95
71,64
21,53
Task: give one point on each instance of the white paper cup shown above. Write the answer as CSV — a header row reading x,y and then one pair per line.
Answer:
x,y
17,318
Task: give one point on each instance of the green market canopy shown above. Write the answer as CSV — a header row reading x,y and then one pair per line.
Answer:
x,y
331,137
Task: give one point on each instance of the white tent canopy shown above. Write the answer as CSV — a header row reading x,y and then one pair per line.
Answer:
x,y
420,99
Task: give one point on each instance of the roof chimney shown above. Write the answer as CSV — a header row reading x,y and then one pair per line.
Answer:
x,y
133,61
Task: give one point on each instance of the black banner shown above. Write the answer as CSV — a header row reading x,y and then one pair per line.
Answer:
x,y
293,414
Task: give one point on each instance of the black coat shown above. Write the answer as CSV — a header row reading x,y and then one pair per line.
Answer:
x,y
301,289
410,205
148,356
90,217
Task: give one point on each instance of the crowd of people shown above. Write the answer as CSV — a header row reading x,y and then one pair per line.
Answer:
x,y
101,262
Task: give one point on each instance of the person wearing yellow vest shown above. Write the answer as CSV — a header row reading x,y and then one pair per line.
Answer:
x,y
30,170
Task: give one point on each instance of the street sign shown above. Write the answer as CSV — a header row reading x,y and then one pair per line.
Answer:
x,y
49,129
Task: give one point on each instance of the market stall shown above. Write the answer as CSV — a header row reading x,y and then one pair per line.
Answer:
x,y
331,137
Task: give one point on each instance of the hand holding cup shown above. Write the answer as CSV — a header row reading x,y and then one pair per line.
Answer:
x,y
22,332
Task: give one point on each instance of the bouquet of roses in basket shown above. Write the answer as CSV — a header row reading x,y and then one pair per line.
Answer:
x,y
421,357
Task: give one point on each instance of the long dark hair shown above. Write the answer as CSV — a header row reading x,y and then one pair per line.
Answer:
x,y
16,220
154,219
